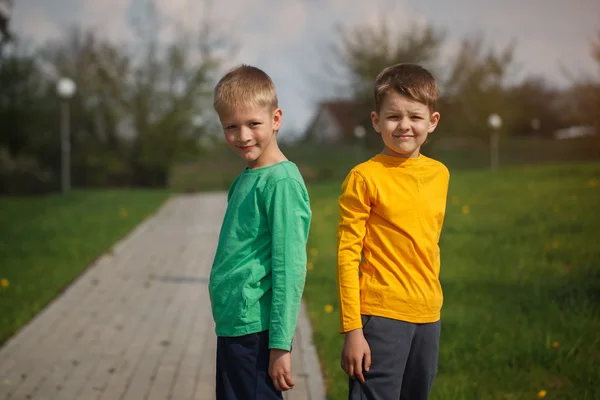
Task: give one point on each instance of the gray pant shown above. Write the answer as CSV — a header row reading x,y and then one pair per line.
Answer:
x,y
404,359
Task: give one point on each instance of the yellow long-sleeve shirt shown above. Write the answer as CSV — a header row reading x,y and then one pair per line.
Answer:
x,y
391,212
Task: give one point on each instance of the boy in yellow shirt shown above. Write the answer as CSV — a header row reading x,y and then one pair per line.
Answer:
x,y
391,213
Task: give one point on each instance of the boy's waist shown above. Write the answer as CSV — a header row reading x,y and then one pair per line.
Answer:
x,y
236,314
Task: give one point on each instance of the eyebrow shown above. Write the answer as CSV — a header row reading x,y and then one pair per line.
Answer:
x,y
413,111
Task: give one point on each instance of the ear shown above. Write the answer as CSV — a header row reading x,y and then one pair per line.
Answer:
x,y
277,114
375,121
433,121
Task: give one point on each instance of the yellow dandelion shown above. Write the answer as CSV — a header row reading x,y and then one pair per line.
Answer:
x,y
455,199
4,282
123,213
328,308
556,244
593,182
542,393
310,266
466,209
314,252
555,344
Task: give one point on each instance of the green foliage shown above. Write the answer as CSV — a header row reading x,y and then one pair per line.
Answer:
x,y
139,107
476,88
364,51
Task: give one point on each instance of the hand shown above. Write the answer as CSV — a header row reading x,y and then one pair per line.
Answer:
x,y
280,369
355,350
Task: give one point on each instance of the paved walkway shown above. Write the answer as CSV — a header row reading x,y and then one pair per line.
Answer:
x,y
137,324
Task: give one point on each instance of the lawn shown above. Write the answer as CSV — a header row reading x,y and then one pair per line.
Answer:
x,y
521,279
46,242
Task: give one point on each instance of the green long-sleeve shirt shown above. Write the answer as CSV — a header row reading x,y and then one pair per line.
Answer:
x,y
259,269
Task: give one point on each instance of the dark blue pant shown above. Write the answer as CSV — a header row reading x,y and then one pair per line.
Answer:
x,y
243,368
404,359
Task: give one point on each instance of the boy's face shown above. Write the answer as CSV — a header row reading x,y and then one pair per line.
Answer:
x,y
404,125
250,132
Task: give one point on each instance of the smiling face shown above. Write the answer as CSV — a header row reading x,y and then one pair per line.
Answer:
x,y
251,133
404,124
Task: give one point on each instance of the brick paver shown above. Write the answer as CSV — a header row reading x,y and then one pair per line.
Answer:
x,y
137,324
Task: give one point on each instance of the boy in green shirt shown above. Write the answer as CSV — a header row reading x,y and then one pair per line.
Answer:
x,y
259,269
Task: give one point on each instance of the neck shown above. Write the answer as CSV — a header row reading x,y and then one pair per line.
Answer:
x,y
272,155
386,151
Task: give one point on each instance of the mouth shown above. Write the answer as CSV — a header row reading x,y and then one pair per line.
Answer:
x,y
246,148
403,137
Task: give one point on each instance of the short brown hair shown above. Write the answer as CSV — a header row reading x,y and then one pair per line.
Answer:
x,y
245,85
410,80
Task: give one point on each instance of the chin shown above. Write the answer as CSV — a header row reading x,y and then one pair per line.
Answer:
x,y
404,151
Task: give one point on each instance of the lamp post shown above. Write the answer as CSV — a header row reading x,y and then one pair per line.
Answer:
x,y
495,122
360,134
65,88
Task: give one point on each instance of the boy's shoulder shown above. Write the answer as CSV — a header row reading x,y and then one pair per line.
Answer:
x,y
280,172
436,164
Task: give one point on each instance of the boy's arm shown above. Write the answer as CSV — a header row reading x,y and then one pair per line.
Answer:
x,y
289,214
354,208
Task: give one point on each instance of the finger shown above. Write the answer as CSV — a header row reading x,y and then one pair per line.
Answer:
x,y
346,367
350,370
282,384
288,379
358,370
276,383
367,361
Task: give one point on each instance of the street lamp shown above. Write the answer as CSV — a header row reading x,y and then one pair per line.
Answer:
x,y
495,122
65,88
360,134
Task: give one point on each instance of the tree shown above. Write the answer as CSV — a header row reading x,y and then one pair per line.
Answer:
x,y
133,113
27,149
5,14
537,112
476,88
581,102
363,51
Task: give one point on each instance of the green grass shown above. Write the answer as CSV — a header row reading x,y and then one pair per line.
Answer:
x,y
520,273
45,242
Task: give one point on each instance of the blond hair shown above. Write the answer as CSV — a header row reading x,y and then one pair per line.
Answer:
x,y
410,80
245,86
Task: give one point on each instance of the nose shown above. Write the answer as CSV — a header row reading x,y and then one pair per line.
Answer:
x,y
244,135
405,124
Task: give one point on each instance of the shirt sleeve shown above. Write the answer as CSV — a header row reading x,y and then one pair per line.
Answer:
x,y
289,214
354,209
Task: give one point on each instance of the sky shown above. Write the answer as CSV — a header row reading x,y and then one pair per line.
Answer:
x,y
291,39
